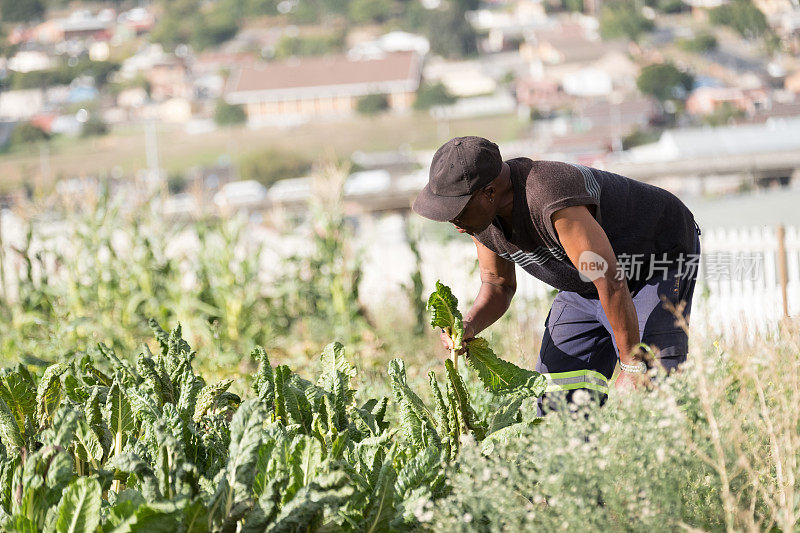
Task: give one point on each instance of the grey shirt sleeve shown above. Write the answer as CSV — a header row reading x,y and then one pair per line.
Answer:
x,y
558,185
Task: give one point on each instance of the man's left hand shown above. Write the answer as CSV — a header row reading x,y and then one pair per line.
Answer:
x,y
628,381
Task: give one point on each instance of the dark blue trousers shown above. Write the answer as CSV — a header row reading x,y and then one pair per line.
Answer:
x,y
579,350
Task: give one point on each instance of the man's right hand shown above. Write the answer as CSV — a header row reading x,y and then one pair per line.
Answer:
x,y
447,341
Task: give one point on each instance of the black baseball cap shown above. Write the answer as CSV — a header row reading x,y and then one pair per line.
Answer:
x,y
459,167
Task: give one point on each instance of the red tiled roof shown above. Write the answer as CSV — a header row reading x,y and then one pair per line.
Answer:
x,y
325,72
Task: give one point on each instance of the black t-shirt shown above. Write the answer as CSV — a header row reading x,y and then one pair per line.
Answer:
x,y
640,220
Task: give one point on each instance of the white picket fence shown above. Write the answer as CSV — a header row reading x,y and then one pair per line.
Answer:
x,y
738,285
727,304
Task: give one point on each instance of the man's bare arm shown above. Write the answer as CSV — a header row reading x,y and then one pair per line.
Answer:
x,y
579,232
498,284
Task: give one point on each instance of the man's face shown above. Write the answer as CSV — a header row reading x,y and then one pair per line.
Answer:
x,y
478,214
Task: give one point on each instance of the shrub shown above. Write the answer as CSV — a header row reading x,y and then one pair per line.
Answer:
x,y
712,448
227,114
27,133
372,104
432,95
702,42
268,166
639,137
94,126
308,46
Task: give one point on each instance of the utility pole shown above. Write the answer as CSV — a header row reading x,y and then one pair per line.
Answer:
x,y
44,162
783,277
151,153
2,262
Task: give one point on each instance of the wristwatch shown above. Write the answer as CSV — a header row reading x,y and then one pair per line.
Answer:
x,y
639,368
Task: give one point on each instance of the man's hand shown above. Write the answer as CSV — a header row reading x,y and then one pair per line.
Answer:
x,y
580,234
628,381
447,341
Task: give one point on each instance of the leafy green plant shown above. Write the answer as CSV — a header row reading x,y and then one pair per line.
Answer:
x,y
98,441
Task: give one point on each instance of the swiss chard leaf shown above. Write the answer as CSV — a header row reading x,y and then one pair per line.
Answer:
x,y
79,509
443,307
502,377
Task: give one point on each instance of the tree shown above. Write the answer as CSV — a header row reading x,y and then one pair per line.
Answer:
x,y
449,32
27,133
21,10
185,22
743,16
363,11
432,95
623,20
665,6
702,42
726,113
227,114
218,26
268,166
94,127
372,104
664,81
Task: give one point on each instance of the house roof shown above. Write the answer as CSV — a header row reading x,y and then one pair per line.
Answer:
x,y
775,135
335,73
575,44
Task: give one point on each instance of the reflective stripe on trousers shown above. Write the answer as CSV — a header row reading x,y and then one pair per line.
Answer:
x,y
577,379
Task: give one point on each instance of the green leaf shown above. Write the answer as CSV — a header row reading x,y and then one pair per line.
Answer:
x,y
9,430
195,517
443,307
146,368
462,399
420,470
304,511
416,418
161,336
281,377
119,415
20,397
265,509
87,444
79,508
335,379
189,387
240,472
207,399
48,395
506,414
297,406
310,458
135,516
442,418
264,382
502,377
380,507
455,418
74,389
508,433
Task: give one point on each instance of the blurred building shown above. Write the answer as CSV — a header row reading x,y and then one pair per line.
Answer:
x,y
706,100
297,89
22,104
169,78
